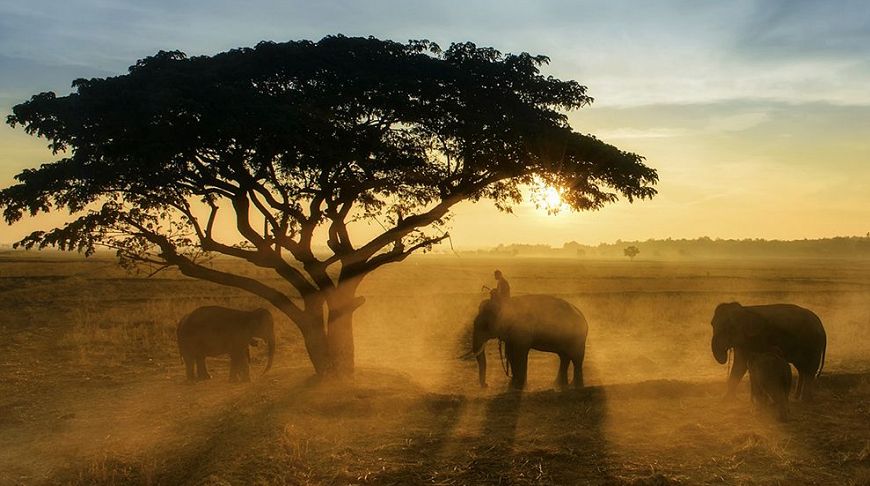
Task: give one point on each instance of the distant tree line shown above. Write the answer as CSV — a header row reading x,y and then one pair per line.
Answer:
x,y
704,247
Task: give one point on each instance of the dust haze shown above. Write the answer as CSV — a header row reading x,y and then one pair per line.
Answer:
x,y
93,390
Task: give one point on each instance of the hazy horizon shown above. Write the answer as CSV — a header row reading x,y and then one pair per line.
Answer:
x,y
447,248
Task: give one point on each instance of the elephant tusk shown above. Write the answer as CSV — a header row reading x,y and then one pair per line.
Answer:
x,y
471,354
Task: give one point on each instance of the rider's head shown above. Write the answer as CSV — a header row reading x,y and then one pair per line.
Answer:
x,y
498,274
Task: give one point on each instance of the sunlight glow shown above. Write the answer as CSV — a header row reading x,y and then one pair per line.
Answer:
x,y
552,198
545,197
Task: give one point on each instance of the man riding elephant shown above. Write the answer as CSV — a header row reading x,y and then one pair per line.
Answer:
x,y
541,322
502,290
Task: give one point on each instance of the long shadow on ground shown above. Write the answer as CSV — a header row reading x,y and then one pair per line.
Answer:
x,y
383,429
531,438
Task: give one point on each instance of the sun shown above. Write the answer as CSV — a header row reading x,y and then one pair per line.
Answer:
x,y
546,197
552,198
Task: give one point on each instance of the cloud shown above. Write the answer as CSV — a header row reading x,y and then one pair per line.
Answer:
x,y
630,133
738,122
717,123
801,29
629,53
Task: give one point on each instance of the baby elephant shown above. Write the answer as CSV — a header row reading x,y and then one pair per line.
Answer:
x,y
214,330
770,381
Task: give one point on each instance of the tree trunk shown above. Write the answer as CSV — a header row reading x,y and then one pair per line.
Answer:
x,y
339,330
316,345
340,343
314,336
330,344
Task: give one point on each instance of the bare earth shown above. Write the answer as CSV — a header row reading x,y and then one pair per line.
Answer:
x,y
92,389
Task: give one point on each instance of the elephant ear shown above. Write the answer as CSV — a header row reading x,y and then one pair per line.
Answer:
x,y
727,309
261,317
487,309
751,325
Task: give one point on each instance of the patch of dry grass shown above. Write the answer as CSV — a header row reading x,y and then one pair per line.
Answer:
x,y
98,336
113,471
93,389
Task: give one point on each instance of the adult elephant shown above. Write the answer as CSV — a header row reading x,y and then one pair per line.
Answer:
x,y
527,322
797,333
215,331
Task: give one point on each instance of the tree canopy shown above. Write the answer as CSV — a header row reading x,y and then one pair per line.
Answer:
x,y
298,139
631,252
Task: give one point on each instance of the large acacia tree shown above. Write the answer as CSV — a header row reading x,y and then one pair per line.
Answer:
x,y
296,142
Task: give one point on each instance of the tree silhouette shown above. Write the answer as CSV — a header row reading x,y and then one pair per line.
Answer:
x,y
295,143
631,252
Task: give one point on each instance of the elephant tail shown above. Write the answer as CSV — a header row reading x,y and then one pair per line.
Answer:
x,y
822,363
178,337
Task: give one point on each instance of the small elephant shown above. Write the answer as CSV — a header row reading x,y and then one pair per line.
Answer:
x,y
527,322
215,330
798,332
770,381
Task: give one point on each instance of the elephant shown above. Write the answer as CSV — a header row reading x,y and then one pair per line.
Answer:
x,y
541,322
770,381
215,330
796,331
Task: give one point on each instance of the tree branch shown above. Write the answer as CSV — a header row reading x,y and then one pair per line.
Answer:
x,y
397,254
190,268
265,255
402,229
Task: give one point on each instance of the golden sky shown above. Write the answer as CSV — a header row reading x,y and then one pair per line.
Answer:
x,y
756,114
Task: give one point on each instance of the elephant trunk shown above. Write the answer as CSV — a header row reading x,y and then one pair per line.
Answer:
x,y
477,348
720,349
270,342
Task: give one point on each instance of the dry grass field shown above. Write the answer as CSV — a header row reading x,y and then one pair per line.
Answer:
x,y
92,389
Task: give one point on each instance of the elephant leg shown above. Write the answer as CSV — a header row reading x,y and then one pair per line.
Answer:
x,y
578,369
806,382
753,391
519,360
234,367
738,369
239,365
188,365
201,370
245,366
562,376
809,388
782,405
757,396
799,389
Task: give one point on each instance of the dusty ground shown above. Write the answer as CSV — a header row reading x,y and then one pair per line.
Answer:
x,y
92,390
